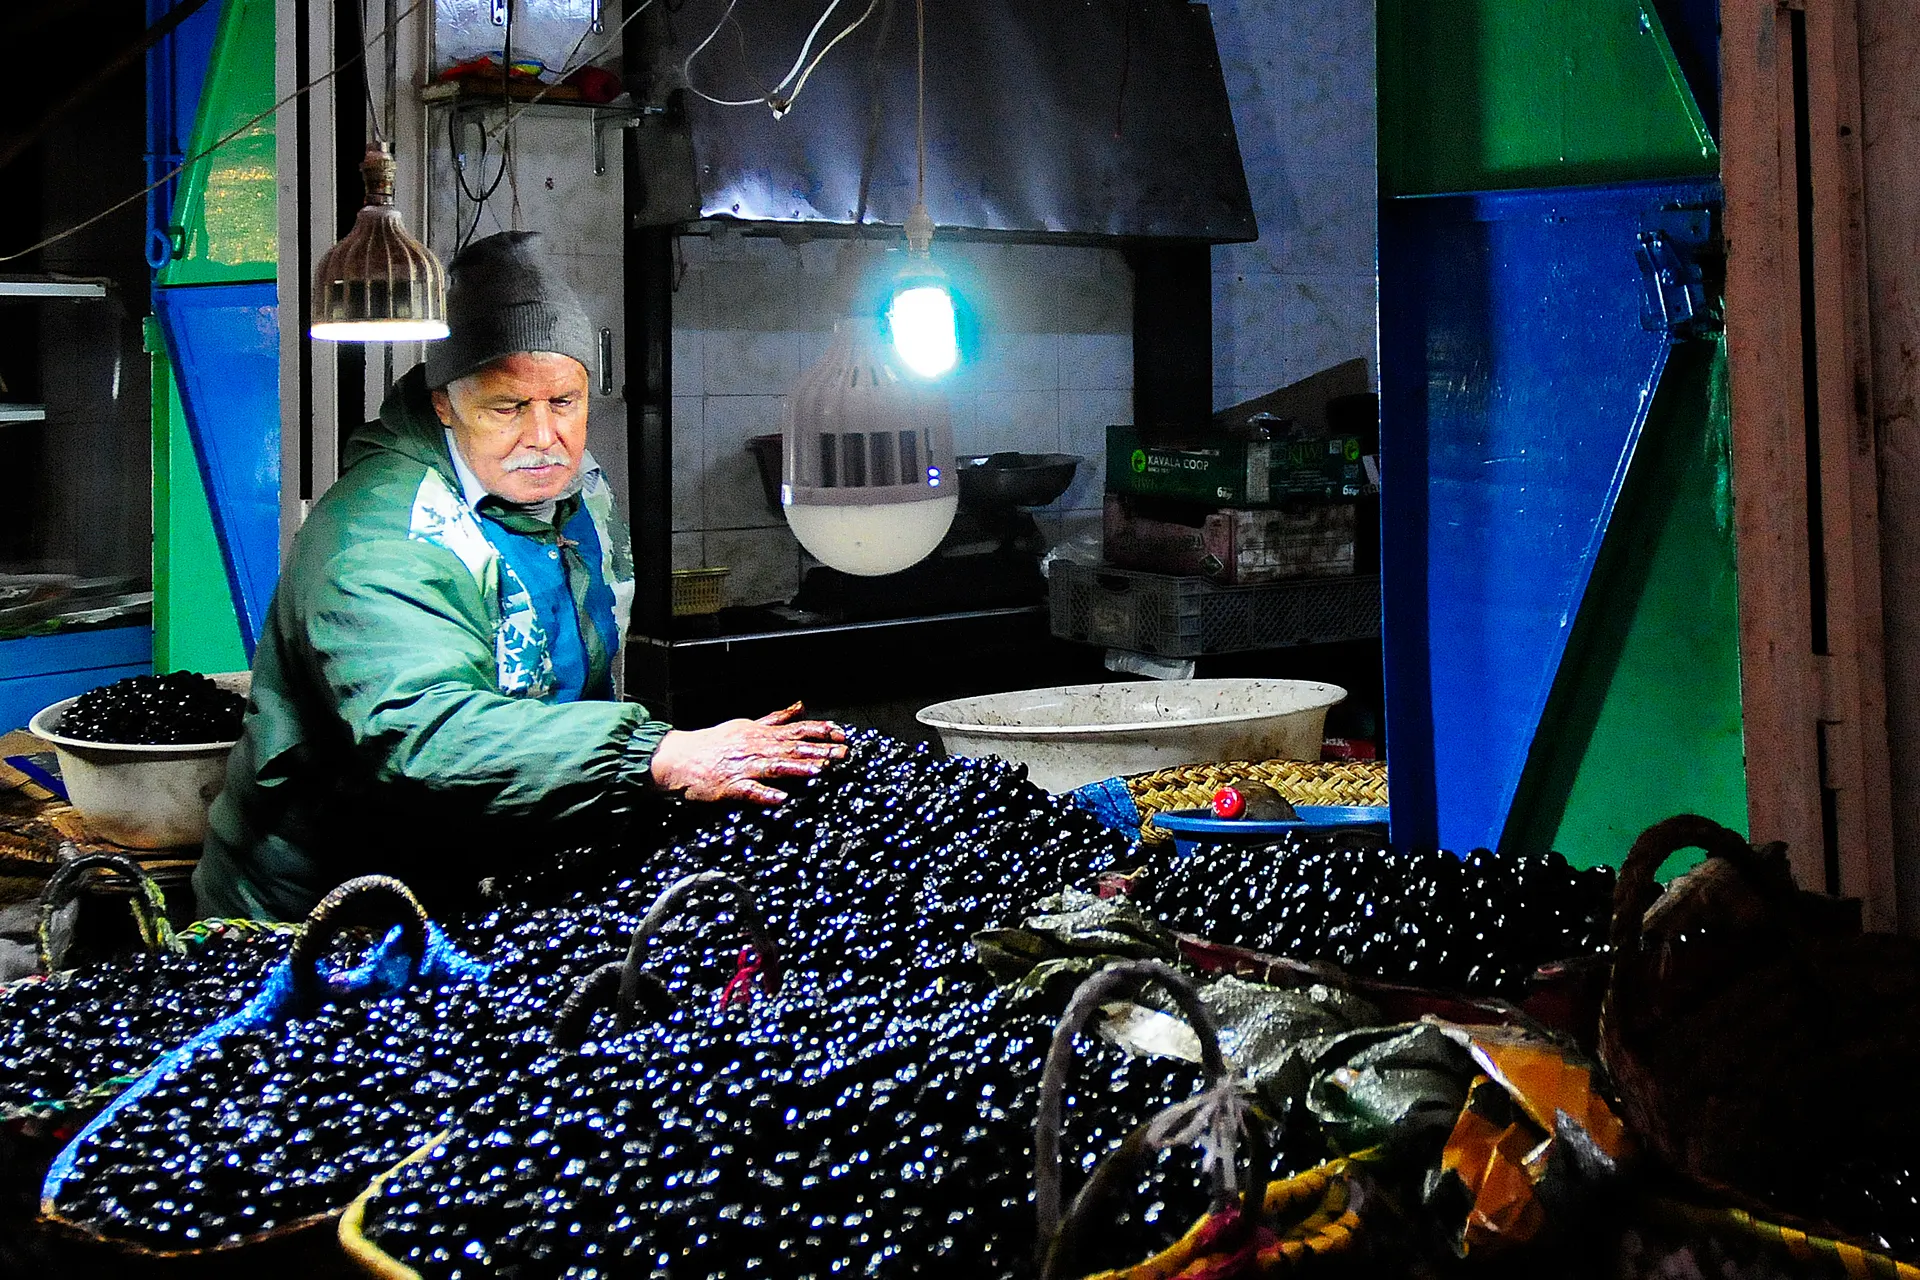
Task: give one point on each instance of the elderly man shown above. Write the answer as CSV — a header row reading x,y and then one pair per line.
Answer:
x,y
432,696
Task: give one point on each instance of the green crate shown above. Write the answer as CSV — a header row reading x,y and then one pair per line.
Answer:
x,y
1223,470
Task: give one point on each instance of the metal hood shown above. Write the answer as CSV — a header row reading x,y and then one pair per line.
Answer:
x,y
1044,118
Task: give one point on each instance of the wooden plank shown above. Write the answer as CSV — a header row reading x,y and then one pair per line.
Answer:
x,y
1889,50
1777,675
1857,762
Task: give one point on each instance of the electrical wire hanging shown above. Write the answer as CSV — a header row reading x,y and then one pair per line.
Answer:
x,y
919,224
797,75
222,141
920,104
479,198
366,79
460,241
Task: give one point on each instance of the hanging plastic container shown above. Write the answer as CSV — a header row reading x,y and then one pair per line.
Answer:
x,y
868,477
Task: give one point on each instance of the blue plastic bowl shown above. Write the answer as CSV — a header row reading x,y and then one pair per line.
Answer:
x,y
1198,826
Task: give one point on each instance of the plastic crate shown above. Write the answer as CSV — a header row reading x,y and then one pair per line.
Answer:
x,y
1186,617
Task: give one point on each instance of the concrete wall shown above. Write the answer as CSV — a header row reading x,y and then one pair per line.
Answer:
x,y
1300,74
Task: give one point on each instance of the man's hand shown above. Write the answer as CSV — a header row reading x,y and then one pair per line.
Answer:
x,y
727,761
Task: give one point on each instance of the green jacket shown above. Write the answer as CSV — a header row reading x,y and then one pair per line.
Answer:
x,y
396,721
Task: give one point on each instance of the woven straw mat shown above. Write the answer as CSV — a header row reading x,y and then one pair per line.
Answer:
x,y
1342,782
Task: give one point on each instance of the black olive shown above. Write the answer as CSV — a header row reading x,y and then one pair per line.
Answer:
x,y
176,708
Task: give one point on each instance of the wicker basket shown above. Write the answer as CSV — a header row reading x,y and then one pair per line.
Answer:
x,y
1341,782
699,591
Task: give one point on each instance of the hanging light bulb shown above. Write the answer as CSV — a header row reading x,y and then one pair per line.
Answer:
x,y
379,284
869,485
920,314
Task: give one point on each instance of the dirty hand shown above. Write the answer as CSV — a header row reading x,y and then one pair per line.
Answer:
x,y
728,761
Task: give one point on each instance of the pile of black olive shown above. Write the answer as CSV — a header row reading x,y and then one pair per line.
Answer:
x,y
181,707
277,1123
83,1028
1480,924
879,1137
875,1117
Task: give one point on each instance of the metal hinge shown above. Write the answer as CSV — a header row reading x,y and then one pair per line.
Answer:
x,y
1668,249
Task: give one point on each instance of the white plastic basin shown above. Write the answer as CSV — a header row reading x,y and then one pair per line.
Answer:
x,y
1076,734
143,797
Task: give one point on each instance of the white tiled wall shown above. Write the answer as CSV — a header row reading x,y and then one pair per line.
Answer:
x,y
1300,74
1055,368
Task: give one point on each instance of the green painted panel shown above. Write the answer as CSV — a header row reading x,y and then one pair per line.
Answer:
x,y
1479,95
1645,718
194,627
227,202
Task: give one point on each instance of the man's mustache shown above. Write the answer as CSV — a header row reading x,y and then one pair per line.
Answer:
x,y
545,458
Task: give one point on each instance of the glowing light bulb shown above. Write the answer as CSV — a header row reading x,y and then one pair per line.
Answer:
x,y
925,334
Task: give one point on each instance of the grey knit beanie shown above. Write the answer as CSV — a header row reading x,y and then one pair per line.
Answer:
x,y
504,298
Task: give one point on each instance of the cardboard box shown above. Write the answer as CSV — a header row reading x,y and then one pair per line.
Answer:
x,y
1227,471
1234,546
1308,403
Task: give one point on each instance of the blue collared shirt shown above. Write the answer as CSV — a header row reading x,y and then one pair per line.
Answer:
x,y
542,570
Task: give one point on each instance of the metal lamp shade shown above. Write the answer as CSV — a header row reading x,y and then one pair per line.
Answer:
x,y
869,486
379,284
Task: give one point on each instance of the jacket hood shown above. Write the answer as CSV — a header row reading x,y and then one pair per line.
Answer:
x,y
407,426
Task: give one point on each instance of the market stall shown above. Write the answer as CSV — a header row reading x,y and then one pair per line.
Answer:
x,y
1116,641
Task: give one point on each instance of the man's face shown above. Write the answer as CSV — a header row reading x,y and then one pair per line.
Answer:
x,y
520,423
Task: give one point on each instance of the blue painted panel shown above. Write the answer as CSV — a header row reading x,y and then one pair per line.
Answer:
x,y
38,671
225,344
1515,376
176,74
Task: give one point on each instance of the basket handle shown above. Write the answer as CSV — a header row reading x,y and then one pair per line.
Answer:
x,y
1635,891
746,911
1112,583
1120,978
1117,1172
599,990
379,900
149,905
